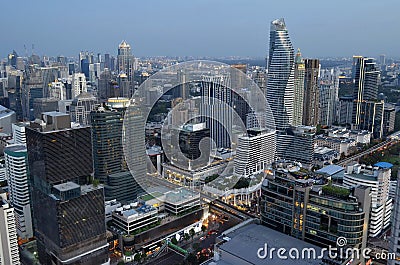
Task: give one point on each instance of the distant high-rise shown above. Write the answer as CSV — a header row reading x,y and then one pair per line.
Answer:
x,y
125,60
8,233
16,160
311,92
366,76
81,107
328,96
299,72
367,111
280,82
78,84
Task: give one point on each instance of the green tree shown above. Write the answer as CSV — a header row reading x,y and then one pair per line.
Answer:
x,y
137,257
192,233
186,236
174,241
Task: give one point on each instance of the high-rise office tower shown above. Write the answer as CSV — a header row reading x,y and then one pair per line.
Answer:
x,y
299,72
365,77
389,118
328,96
370,117
216,97
280,80
345,110
16,161
8,233
125,60
107,61
68,214
311,92
78,84
108,158
109,163
255,152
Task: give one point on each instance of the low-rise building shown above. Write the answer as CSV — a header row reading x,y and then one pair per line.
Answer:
x,y
342,145
132,218
325,156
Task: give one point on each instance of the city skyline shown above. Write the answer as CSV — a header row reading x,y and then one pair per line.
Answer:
x,y
178,28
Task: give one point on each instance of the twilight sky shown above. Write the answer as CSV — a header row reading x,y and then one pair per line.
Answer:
x,y
199,27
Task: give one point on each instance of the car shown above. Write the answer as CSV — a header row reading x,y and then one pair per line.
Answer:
x,y
202,238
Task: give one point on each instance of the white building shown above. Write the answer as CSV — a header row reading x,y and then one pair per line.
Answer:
x,y
78,84
18,132
378,178
328,95
17,177
394,240
131,218
255,152
8,233
57,90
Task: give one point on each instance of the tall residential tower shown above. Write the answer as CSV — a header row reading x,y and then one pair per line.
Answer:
x,y
280,84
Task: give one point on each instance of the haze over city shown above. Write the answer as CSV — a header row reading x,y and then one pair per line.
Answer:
x,y
199,28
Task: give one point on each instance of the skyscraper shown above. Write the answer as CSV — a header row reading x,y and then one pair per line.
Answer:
x,y
68,214
311,92
216,96
365,77
255,152
299,72
109,163
8,233
16,159
328,96
125,60
78,84
280,83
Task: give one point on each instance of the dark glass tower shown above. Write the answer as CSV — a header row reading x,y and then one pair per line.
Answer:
x,y
311,93
68,214
110,167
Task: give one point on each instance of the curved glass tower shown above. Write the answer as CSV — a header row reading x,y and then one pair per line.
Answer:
x,y
280,83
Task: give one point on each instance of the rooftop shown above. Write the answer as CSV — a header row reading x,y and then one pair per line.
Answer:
x,y
66,186
245,241
179,195
383,165
330,170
